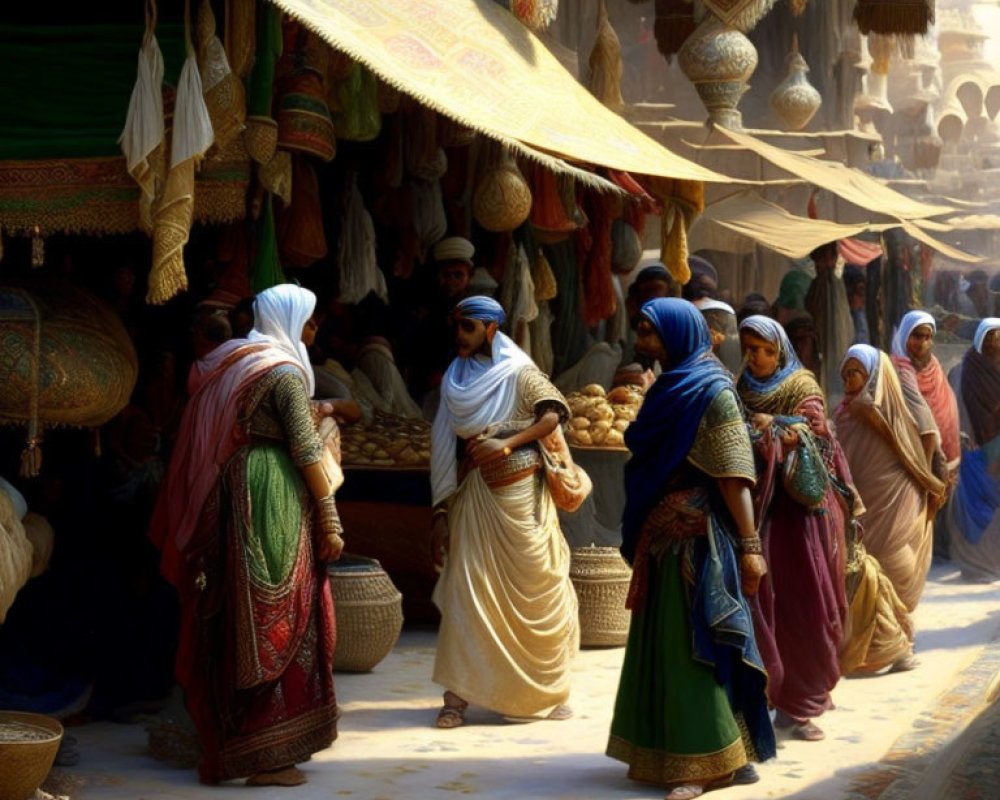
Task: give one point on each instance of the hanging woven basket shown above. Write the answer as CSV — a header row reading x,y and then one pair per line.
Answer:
x,y
502,200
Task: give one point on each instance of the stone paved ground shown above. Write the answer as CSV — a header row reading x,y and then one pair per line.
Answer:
x,y
889,737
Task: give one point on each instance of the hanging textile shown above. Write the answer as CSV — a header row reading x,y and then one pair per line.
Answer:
x,y
356,262
224,95
190,137
606,63
266,271
674,24
241,35
301,238
517,296
536,14
899,17
142,140
358,118
594,256
262,131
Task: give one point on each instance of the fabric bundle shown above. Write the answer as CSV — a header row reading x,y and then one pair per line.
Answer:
x,y
899,17
681,202
549,217
359,271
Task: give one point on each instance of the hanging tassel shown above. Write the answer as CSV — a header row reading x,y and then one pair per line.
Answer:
x,y
37,248
31,456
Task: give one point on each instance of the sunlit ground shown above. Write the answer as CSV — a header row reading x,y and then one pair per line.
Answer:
x,y
389,749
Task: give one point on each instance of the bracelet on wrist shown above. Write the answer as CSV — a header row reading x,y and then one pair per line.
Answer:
x,y
751,545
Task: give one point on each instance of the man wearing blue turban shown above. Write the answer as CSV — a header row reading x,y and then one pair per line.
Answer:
x,y
509,625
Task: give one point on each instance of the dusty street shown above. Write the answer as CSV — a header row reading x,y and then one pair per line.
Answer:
x,y
888,734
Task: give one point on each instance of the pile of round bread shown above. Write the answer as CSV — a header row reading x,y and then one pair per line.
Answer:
x,y
600,419
387,441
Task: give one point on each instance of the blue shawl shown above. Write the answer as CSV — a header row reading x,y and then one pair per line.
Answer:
x,y
664,430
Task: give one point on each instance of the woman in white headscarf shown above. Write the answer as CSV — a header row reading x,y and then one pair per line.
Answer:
x,y
246,522
891,469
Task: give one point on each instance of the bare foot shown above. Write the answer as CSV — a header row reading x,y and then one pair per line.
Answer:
x,y
905,664
286,776
686,792
560,712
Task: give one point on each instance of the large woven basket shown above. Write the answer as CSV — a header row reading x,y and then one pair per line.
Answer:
x,y
601,578
369,611
24,765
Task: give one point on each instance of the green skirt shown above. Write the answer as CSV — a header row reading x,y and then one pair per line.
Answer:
x,y
673,722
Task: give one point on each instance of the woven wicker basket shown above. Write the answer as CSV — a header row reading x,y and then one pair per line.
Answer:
x,y
601,579
369,611
24,765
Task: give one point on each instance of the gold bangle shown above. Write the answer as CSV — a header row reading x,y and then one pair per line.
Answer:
x,y
506,451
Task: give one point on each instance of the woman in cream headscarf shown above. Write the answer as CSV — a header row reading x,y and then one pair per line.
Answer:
x,y
246,521
878,633
891,469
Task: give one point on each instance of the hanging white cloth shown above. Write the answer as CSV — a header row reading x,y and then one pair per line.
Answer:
x,y
359,272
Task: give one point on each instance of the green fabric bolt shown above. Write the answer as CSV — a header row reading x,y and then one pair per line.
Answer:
x,y
65,90
277,497
260,91
267,270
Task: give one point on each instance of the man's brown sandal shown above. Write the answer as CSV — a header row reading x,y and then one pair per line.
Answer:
x,y
452,713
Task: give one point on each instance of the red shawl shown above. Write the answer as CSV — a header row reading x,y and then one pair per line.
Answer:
x,y
208,437
934,386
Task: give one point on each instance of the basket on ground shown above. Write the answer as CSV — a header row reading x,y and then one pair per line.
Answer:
x,y
28,746
601,578
369,612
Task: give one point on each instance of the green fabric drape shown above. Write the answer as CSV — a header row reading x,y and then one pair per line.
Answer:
x,y
65,91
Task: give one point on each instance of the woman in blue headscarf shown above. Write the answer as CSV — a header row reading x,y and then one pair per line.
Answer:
x,y
691,664
801,607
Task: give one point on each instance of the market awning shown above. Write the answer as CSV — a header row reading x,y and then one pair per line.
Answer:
x,y
851,184
738,222
474,62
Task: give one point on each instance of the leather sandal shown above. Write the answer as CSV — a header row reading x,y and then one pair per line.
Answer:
x,y
808,731
452,713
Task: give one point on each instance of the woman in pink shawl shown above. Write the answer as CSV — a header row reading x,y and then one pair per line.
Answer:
x,y
911,352
891,465
246,522
801,606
